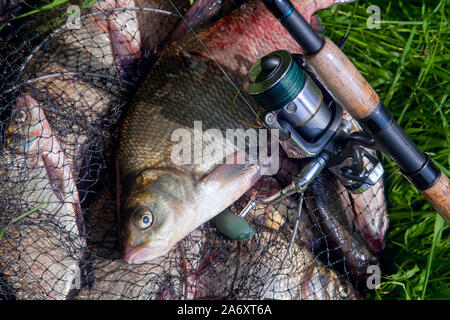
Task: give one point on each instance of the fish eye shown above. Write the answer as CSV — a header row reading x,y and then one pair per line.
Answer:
x,y
343,291
144,218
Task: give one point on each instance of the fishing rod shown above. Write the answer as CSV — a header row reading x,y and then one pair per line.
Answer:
x,y
348,87
303,96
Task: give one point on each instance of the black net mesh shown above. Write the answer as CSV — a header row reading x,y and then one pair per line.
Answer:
x,y
63,92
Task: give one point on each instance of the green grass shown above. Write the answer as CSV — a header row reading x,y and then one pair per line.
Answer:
x,y
407,62
45,7
48,5
23,215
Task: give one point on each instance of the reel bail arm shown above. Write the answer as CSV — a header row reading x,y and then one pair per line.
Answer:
x,y
298,185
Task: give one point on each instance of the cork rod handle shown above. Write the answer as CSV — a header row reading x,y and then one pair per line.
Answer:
x,y
357,96
439,196
343,80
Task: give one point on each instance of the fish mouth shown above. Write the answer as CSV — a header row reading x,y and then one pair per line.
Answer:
x,y
143,254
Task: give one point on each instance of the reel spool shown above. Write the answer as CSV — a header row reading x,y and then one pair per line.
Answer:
x,y
309,120
277,83
310,125
293,103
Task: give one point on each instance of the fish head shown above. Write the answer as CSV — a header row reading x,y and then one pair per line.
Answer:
x,y
325,284
153,213
28,127
341,287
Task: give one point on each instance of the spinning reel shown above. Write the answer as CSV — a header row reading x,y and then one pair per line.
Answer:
x,y
304,106
310,121
310,125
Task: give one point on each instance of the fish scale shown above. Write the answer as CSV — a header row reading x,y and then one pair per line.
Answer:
x,y
194,80
73,77
155,117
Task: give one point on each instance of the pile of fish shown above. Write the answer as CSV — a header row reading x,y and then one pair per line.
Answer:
x,y
117,218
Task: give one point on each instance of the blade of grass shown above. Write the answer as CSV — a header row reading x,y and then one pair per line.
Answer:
x,y
53,4
391,91
352,19
429,59
437,234
23,215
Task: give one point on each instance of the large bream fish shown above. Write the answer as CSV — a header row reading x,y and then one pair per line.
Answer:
x,y
62,103
162,201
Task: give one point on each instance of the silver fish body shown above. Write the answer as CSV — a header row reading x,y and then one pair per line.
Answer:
x,y
69,87
32,258
186,85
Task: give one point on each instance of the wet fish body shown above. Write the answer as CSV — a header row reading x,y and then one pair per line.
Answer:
x,y
114,278
31,255
73,79
186,85
327,213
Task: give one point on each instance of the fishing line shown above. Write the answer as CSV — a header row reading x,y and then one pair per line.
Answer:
x,y
257,124
214,59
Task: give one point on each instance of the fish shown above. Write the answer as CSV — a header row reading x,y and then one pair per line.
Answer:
x,y
62,116
261,268
325,284
206,265
82,73
113,278
157,200
36,263
171,199
320,282
328,215
365,212
203,12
